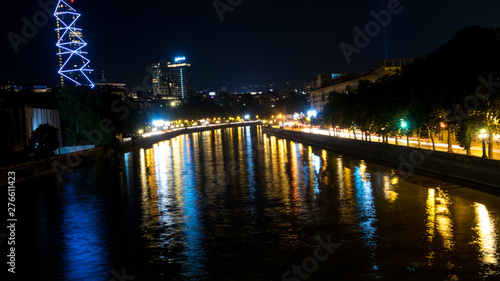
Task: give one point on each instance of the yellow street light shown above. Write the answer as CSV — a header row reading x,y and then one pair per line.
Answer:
x,y
483,135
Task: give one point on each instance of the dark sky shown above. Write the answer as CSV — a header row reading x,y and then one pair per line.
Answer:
x,y
259,42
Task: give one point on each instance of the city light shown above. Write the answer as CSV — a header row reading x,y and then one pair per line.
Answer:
x,y
312,114
247,116
178,59
70,44
160,123
404,124
483,134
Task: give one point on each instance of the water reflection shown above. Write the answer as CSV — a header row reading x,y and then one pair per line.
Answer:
x,y
366,206
237,204
487,240
389,183
85,246
345,193
439,223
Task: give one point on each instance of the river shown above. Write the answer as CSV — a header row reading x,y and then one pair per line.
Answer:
x,y
237,204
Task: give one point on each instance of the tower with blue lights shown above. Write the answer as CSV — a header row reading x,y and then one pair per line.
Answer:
x,y
74,66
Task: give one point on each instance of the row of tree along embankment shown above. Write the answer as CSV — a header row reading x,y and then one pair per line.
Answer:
x,y
407,159
61,164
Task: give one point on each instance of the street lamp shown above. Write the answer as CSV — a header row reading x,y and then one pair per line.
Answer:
x,y
483,135
404,125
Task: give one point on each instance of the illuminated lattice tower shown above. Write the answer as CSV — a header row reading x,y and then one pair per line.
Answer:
x,y
74,66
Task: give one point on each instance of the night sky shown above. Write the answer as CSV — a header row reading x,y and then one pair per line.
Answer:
x,y
259,42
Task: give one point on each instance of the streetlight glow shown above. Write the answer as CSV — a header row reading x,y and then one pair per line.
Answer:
x,y
483,134
312,114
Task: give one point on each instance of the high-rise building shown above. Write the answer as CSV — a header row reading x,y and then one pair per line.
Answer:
x,y
172,78
74,66
160,79
179,73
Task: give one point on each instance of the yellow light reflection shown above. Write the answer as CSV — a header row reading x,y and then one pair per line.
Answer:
x,y
389,193
439,220
431,222
177,163
346,200
487,238
444,223
324,157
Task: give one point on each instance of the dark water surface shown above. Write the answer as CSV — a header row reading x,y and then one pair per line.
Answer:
x,y
236,204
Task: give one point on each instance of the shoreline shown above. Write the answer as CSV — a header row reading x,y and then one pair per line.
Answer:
x,y
407,159
61,164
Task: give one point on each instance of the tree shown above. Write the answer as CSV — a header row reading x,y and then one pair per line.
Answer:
x,y
469,130
79,113
44,140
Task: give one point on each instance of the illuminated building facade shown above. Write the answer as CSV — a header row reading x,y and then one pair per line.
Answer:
x,y
343,83
172,78
74,66
160,79
179,73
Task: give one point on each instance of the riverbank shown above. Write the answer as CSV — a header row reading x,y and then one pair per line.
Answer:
x,y
61,164
407,159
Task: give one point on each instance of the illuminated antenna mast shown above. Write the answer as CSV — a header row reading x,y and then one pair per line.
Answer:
x,y
73,64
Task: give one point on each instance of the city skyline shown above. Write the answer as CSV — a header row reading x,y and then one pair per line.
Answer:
x,y
251,43
251,140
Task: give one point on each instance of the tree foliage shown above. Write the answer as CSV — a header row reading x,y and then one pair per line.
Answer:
x,y
457,86
79,113
44,140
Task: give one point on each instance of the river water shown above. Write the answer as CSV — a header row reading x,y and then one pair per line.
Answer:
x,y
237,204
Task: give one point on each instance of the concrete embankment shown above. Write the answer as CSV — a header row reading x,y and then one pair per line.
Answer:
x,y
61,164
407,159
